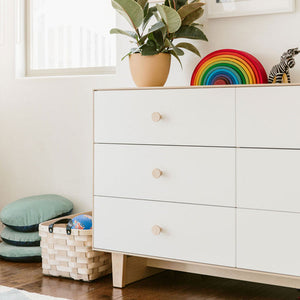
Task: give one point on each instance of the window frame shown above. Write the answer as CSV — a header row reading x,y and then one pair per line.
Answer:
x,y
29,72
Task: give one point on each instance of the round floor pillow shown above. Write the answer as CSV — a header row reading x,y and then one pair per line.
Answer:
x,y
16,238
20,254
26,214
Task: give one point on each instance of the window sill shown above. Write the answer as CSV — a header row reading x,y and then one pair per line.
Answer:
x,y
72,72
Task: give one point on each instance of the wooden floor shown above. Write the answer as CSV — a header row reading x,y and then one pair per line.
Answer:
x,y
168,285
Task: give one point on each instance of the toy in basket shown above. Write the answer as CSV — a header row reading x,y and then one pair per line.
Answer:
x,y
67,251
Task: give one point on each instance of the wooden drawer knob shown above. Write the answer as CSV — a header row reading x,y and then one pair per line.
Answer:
x,y
156,230
156,116
156,173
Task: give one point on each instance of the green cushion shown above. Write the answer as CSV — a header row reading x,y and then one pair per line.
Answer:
x,y
13,253
16,238
27,213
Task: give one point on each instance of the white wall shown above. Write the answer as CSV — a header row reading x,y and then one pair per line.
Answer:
x,y
46,127
264,36
46,123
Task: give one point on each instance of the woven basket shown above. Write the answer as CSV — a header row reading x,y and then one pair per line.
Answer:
x,y
71,255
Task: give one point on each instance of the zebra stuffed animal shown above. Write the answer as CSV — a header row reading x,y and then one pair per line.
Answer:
x,y
281,73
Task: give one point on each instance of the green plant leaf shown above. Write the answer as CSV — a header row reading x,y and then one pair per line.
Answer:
x,y
148,16
176,56
180,3
175,3
189,47
130,34
191,18
170,17
125,56
178,51
188,9
197,25
155,27
130,10
152,38
168,43
158,36
133,50
164,32
190,32
146,9
149,48
170,3
142,3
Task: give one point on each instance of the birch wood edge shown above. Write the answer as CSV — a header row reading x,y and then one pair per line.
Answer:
x,y
129,269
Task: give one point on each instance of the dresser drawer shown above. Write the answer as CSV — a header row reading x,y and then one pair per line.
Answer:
x,y
188,232
268,241
268,117
188,117
188,174
268,179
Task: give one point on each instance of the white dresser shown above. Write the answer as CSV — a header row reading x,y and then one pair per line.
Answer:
x,y
202,179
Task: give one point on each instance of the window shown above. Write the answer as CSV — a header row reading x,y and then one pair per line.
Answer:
x,y
70,37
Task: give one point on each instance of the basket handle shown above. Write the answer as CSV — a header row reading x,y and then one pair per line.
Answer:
x,y
69,223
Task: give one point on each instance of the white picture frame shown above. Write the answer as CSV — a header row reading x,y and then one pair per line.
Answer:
x,y
236,8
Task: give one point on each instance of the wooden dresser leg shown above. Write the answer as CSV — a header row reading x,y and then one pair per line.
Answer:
x,y
128,269
119,264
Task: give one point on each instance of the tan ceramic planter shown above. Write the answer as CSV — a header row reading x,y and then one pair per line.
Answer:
x,y
150,70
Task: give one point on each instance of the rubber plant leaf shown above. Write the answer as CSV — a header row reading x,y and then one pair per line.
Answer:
x,y
178,51
142,3
148,16
159,38
133,50
149,48
170,17
130,10
152,38
155,27
189,47
146,9
168,43
180,3
187,9
130,34
170,3
190,32
176,56
197,25
175,3
189,20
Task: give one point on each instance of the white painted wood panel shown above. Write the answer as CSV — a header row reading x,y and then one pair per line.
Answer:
x,y
2,21
189,174
268,179
268,241
268,117
189,117
189,232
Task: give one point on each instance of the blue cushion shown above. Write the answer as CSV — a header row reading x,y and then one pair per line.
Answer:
x,y
82,222
26,214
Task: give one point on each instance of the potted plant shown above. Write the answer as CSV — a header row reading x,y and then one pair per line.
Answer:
x,y
154,31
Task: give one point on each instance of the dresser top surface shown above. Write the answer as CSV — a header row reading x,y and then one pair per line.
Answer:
x,y
198,87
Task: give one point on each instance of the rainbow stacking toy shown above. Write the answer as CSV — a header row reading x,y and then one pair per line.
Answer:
x,y
229,66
